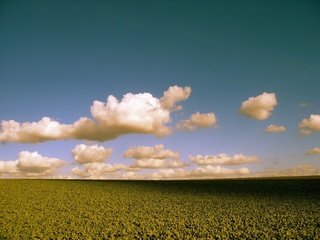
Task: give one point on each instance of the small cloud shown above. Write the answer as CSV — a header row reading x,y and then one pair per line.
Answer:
x,y
310,125
313,151
153,157
275,129
303,104
89,154
223,159
198,120
259,107
174,95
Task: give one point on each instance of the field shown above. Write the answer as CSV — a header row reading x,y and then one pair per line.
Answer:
x,y
216,209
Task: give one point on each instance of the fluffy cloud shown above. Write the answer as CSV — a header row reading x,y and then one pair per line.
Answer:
x,y
275,129
8,168
223,159
155,152
90,154
33,132
259,107
174,95
31,164
313,151
96,170
134,113
310,125
198,120
154,157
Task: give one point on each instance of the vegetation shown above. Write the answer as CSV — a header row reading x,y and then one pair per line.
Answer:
x,y
217,209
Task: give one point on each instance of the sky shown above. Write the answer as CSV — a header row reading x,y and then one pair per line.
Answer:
x,y
159,89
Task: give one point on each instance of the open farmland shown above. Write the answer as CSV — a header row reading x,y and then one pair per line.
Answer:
x,y
217,209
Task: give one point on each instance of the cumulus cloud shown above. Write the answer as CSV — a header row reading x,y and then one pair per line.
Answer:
x,y
174,95
31,164
223,159
259,107
313,151
310,125
156,152
32,132
154,157
89,154
198,120
135,113
275,129
8,168
97,170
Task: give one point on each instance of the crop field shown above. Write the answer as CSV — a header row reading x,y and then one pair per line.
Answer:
x,y
216,209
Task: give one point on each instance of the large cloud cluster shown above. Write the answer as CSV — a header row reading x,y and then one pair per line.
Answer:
x,y
198,120
31,164
259,107
135,113
310,125
89,154
153,157
223,159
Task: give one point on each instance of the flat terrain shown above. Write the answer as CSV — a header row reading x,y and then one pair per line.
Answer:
x,y
215,209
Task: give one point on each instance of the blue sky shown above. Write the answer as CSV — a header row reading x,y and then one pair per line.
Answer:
x,y
58,57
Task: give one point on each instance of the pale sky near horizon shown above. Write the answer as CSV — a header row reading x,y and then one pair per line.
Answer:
x,y
58,57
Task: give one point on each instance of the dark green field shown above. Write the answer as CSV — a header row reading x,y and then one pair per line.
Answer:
x,y
216,209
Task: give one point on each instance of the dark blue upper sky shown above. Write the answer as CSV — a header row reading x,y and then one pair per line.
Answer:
x,y
57,57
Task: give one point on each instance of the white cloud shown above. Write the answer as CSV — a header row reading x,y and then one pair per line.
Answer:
x,y
259,107
313,151
32,132
153,157
8,168
134,113
88,154
157,163
174,95
275,129
97,170
209,170
299,170
202,172
198,120
223,159
156,152
31,164
310,125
